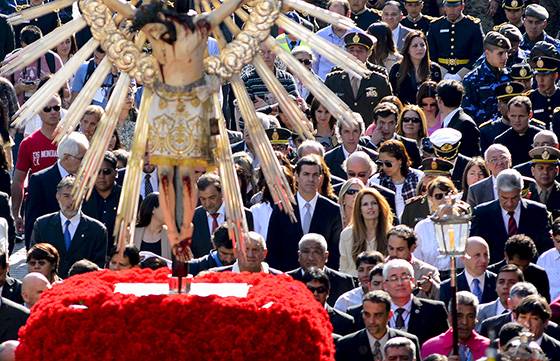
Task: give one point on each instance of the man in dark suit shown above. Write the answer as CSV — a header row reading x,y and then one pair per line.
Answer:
x,y
360,165
385,117
74,235
544,170
412,314
350,137
312,252
6,213
319,284
520,250
475,278
450,96
211,214
361,95
497,158
10,287
534,313
314,214
42,186
12,317
377,312
509,215
221,255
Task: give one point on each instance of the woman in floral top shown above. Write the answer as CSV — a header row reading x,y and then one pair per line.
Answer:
x,y
127,120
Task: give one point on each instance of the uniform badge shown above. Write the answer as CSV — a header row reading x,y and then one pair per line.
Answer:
x,y
371,92
523,72
434,165
545,155
275,135
356,38
514,4
509,89
446,147
540,63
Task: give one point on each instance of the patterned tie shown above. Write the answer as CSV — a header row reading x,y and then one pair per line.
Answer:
x,y
306,218
214,221
465,353
147,185
476,289
67,236
399,322
377,356
512,225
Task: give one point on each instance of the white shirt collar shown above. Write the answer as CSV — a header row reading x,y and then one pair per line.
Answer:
x,y
407,306
220,211
516,215
264,267
396,33
448,117
383,340
345,152
63,172
470,279
500,308
301,203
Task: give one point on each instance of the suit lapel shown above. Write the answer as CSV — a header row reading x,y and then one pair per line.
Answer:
x,y
454,122
500,220
462,284
522,216
57,237
364,349
79,235
489,286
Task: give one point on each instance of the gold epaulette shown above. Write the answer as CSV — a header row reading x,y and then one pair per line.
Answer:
x,y
556,110
537,122
473,19
485,123
433,20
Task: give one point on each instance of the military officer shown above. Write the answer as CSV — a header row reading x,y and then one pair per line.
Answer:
x,y
360,95
490,129
522,73
535,20
446,143
514,13
556,122
418,208
455,40
516,54
480,84
362,16
544,169
547,96
415,19
280,140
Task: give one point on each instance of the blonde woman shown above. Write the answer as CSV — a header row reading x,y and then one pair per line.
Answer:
x,y
346,197
371,219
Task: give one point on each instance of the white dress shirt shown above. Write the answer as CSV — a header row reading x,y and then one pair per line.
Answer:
x,y
301,206
470,279
221,218
406,314
448,117
516,216
382,341
261,217
349,299
153,181
550,261
427,247
73,226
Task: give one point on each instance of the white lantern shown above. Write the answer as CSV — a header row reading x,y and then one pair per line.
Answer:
x,y
452,223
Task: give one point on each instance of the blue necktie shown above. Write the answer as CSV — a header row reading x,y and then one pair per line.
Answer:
x,y
476,289
67,236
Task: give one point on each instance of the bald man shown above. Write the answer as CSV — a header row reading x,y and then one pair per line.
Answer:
x,y
33,284
8,350
475,278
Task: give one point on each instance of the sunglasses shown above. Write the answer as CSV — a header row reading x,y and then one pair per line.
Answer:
x,y
439,196
429,105
411,120
305,61
351,192
56,108
320,289
105,171
384,163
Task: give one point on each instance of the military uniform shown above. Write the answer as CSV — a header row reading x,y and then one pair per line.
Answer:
x,y
518,144
416,209
369,91
366,17
455,45
540,13
422,23
549,197
543,105
523,74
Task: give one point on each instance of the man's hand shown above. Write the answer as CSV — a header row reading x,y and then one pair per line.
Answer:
x,y
376,136
20,225
425,283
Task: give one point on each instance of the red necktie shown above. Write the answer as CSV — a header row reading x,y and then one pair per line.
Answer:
x,y
214,221
512,225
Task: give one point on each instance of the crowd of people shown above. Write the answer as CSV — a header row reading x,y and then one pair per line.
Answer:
x,y
461,105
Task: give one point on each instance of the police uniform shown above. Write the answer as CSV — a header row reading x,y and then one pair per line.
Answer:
x,y
515,36
480,84
369,91
455,45
540,13
556,122
543,105
513,5
446,143
549,197
366,17
421,23
521,72
418,208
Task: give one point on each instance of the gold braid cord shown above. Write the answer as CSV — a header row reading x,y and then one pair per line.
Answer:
x,y
123,52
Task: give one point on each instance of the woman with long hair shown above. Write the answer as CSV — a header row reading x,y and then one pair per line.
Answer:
x,y
412,123
66,49
150,233
346,198
367,231
385,52
426,99
127,119
44,258
326,188
414,68
396,173
323,123
475,171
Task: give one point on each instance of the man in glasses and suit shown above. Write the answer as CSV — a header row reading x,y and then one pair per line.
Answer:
x,y
74,235
41,190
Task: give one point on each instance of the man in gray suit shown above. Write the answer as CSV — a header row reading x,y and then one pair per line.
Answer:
x,y
508,276
497,158
392,15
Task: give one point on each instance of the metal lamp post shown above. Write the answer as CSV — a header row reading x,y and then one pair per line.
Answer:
x,y
452,224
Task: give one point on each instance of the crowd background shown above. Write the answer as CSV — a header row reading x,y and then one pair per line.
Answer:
x,y
462,103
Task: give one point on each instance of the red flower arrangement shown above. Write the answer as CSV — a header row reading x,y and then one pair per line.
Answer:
x,y
82,319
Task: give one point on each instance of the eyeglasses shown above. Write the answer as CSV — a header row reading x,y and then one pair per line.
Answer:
x,y
321,289
384,163
351,192
357,175
47,109
431,105
305,61
39,263
105,171
402,278
411,120
439,196
500,159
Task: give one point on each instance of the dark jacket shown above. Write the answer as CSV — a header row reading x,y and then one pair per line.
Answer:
x,y
355,346
12,317
470,142
488,293
533,274
342,323
340,282
12,290
335,157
